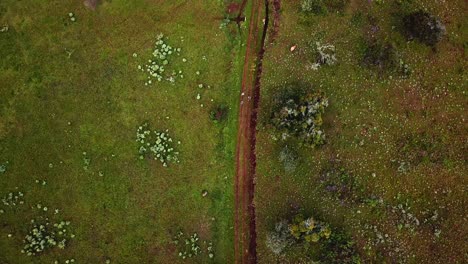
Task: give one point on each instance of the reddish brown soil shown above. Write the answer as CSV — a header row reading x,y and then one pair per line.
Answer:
x,y
245,242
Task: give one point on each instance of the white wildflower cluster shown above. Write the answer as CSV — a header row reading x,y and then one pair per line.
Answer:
x,y
191,246
72,17
325,55
156,67
4,29
68,261
158,144
13,199
43,236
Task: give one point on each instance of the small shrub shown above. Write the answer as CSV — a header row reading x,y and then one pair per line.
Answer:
x,y
219,113
280,238
325,55
382,56
308,229
301,118
339,249
158,145
424,27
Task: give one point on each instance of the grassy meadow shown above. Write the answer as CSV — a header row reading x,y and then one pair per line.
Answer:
x,y
71,100
399,142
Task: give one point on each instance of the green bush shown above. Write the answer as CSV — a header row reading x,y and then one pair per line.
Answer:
x,y
301,117
156,144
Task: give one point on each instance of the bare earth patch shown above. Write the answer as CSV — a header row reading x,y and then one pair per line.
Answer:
x,y
91,4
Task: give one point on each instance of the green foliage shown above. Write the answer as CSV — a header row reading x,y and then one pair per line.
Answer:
x,y
301,118
339,249
424,27
156,144
309,229
219,113
382,56
13,199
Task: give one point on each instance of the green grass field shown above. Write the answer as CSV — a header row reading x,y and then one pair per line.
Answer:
x,y
73,87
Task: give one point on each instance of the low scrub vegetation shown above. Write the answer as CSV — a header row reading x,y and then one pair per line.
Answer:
x,y
300,117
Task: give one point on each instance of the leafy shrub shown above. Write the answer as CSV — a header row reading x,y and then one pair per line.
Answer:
x,y
382,56
325,55
301,117
280,238
308,229
156,144
43,236
424,27
219,113
289,159
339,249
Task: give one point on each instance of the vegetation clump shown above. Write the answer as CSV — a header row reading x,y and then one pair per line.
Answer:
x,y
325,55
424,27
289,158
342,185
219,113
156,67
43,236
158,145
192,246
13,199
301,117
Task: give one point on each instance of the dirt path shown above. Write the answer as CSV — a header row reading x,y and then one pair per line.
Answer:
x,y
245,242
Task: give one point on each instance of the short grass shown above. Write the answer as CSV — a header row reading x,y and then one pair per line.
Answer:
x,y
375,122
73,87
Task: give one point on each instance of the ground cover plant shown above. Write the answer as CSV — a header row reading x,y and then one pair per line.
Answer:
x,y
72,101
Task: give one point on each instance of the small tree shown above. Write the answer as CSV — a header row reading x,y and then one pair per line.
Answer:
x,y
423,27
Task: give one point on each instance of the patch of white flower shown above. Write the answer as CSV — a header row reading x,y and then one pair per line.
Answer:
x,y
191,246
43,235
13,199
155,68
159,145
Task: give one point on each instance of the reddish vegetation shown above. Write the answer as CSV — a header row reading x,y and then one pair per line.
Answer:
x,y
91,4
233,8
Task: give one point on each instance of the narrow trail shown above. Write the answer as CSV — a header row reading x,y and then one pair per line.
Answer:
x,y
245,240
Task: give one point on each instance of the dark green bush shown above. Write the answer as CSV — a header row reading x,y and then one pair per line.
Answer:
x,y
300,117
424,27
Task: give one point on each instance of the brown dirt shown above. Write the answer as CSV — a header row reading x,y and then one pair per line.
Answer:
x,y
244,223
276,19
